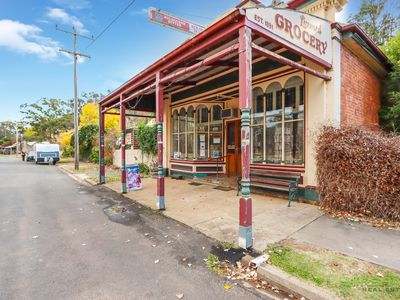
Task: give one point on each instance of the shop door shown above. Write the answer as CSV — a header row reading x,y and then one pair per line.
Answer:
x,y
233,149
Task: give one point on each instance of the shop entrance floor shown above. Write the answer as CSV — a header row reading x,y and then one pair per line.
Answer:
x,y
215,212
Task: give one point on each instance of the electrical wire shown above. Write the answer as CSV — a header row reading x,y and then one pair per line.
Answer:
x,y
112,22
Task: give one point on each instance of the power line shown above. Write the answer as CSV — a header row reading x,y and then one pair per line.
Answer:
x,y
112,22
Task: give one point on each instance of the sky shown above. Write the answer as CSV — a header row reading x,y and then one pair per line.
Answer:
x,y
31,66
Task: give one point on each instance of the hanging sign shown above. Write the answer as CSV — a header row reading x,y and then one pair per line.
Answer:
x,y
133,177
309,33
161,17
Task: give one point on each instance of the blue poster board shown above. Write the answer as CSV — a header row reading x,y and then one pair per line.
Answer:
x,y
133,177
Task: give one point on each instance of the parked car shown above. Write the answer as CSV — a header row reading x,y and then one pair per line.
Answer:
x,y
46,153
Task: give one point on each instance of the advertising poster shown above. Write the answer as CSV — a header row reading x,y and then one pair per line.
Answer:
x,y
134,181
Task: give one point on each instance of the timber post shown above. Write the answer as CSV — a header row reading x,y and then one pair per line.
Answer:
x,y
102,175
160,144
123,154
245,105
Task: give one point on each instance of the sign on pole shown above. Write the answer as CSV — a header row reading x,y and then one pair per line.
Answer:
x,y
165,19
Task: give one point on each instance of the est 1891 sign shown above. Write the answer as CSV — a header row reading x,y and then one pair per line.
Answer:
x,y
310,33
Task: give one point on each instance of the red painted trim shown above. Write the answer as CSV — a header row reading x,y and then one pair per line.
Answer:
x,y
245,212
123,132
296,3
207,61
283,60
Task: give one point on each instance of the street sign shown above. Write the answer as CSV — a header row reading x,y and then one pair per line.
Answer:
x,y
165,19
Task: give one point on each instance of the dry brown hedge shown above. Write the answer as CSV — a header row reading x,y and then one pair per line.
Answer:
x,y
359,172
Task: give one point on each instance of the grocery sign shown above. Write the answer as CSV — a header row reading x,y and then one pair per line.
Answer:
x,y
310,33
160,17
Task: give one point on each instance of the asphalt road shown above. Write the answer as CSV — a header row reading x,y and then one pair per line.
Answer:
x,y
61,239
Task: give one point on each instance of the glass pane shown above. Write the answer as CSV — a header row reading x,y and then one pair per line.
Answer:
x,y
182,120
257,143
231,138
290,103
202,119
175,122
190,119
274,143
274,112
216,145
216,113
182,145
202,146
175,149
190,146
294,142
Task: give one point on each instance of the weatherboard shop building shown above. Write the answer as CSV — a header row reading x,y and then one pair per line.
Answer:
x,y
247,95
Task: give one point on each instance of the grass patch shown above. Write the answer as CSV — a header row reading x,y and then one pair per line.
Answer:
x,y
113,177
214,264
348,277
227,246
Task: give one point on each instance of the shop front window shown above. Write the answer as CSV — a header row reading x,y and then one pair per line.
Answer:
x,y
197,132
282,131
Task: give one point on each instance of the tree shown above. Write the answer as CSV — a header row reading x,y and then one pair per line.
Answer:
x,y
390,112
48,117
377,19
90,116
7,130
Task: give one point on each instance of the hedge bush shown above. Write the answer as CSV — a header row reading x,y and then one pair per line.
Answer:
x,y
359,172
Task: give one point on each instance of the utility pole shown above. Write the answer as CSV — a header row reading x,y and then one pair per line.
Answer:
x,y
76,115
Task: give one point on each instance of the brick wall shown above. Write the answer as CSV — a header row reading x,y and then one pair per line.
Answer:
x,y
360,92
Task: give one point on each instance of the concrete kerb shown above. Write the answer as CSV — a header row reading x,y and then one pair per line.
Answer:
x,y
292,284
84,179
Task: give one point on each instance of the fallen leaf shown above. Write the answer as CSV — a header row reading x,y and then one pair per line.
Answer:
x,y
227,286
179,296
157,261
379,274
127,241
35,237
189,265
154,245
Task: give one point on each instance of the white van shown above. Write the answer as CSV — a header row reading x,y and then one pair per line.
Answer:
x,y
46,153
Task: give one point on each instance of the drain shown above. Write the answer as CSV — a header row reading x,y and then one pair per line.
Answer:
x,y
195,183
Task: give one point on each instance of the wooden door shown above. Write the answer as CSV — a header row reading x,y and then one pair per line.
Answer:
x,y
233,149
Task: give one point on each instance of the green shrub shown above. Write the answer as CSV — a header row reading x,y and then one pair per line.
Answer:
x,y
94,155
144,169
68,152
147,138
87,136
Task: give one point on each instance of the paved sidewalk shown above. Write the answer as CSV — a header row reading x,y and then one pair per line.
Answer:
x,y
379,246
216,213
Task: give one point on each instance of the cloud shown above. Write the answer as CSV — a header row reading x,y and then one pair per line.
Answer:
x,y
74,4
60,15
26,39
142,12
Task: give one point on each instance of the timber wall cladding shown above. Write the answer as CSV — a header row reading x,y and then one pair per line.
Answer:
x,y
360,92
